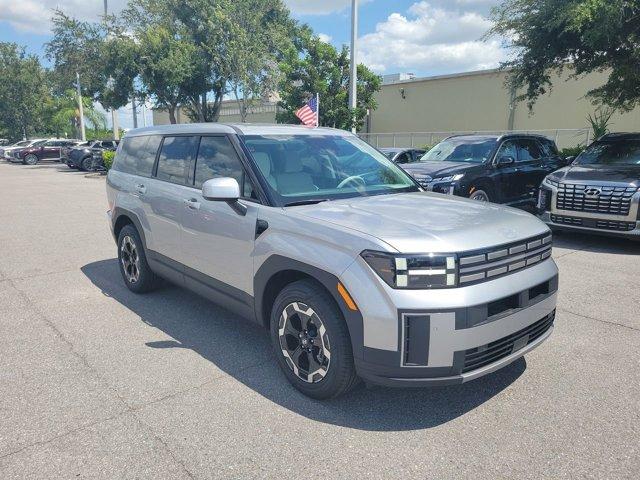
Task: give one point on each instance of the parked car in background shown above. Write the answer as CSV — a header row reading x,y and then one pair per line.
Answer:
x,y
88,156
334,249
7,152
47,150
599,192
504,169
403,155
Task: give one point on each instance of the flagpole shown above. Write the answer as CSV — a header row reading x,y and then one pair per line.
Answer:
x,y
318,108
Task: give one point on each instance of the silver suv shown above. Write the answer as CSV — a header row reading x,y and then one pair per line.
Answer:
x,y
356,271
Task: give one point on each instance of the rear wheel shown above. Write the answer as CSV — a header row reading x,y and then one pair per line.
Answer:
x,y
30,159
311,341
132,259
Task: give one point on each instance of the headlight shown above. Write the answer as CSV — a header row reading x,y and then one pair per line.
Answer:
x,y
413,271
449,178
551,182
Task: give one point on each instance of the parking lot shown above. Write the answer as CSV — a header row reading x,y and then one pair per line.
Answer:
x,y
96,382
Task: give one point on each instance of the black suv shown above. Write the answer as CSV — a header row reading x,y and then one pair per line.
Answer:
x,y
88,156
599,192
490,168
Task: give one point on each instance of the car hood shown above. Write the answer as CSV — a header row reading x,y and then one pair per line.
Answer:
x,y
426,222
622,174
438,169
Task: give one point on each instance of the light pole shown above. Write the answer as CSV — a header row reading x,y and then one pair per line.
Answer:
x,y
353,85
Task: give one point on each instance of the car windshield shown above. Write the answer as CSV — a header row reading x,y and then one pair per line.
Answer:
x,y
461,150
312,168
626,152
23,143
38,143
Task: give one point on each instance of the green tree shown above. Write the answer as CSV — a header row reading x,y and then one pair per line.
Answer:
x,y
167,66
23,92
591,35
314,66
262,31
76,47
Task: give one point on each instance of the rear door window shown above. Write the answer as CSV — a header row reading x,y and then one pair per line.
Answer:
x,y
137,155
175,160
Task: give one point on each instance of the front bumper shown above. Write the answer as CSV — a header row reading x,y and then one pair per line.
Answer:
x,y
440,337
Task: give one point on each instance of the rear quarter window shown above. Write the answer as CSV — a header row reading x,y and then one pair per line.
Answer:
x,y
137,155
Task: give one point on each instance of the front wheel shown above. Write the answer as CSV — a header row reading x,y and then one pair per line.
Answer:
x,y
311,341
480,196
30,159
86,164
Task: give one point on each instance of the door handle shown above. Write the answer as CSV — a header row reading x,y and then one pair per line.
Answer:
x,y
141,189
192,203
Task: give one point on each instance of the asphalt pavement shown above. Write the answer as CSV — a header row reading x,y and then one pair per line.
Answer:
x,y
97,382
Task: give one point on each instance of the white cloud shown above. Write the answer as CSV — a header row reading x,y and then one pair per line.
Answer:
x,y
431,39
325,38
34,15
319,7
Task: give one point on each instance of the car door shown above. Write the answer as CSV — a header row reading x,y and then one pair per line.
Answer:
x,y
163,195
217,241
506,172
531,170
50,150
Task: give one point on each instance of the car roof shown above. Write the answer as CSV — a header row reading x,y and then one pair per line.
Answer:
x,y
236,128
499,137
621,136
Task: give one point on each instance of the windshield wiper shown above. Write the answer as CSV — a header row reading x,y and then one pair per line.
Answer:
x,y
312,201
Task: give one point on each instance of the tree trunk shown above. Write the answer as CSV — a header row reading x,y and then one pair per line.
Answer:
x,y
172,114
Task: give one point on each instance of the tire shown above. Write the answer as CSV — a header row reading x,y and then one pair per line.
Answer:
x,y
86,164
480,196
336,374
30,159
132,260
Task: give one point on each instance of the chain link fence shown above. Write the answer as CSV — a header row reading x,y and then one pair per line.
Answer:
x,y
564,138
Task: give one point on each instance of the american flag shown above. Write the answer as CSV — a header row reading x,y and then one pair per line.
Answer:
x,y
309,113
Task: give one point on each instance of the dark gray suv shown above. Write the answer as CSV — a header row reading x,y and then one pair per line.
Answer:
x,y
354,269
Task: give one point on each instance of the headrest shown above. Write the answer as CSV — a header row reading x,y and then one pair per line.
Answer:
x,y
292,162
263,160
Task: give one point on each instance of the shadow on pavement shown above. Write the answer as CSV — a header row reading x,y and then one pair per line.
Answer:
x,y
595,243
243,350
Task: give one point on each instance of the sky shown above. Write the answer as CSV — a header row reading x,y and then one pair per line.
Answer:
x,y
434,37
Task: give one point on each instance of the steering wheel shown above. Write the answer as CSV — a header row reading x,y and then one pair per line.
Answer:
x,y
354,180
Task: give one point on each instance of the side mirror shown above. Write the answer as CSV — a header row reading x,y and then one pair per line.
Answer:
x,y
224,189
504,161
569,160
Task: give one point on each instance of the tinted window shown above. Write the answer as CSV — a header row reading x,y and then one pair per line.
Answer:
x,y
137,155
549,148
528,149
217,158
622,152
404,158
175,159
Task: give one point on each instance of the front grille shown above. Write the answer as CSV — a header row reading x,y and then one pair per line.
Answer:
x,y
479,357
594,223
486,265
596,199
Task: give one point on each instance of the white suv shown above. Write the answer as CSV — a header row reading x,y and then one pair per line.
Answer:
x,y
356,271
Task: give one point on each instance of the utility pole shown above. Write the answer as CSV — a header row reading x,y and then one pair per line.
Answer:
x,y
353,86
134,111
80,107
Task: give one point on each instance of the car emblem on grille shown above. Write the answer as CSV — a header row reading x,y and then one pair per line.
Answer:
x,y
592,192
